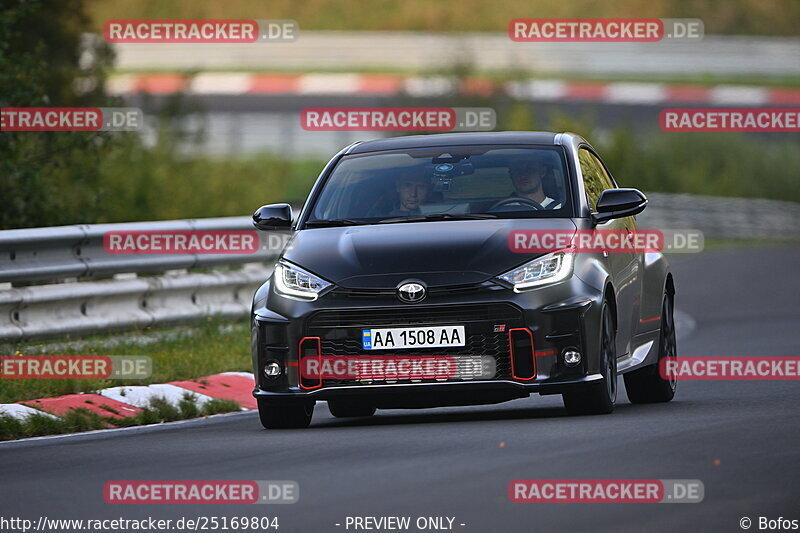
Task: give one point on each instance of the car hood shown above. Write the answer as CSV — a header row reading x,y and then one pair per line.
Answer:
x,y
438,253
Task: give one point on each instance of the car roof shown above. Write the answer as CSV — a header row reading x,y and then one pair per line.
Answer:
x,y
455,139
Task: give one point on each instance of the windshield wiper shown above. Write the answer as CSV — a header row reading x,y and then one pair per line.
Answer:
x,y
332,222
437,216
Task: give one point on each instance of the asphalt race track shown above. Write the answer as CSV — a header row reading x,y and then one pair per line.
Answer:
x,y
741,439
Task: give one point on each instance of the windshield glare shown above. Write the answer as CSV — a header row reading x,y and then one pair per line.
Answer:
x,y
446,182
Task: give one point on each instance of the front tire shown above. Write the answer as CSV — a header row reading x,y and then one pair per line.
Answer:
x,y
646,384
599,398
282,415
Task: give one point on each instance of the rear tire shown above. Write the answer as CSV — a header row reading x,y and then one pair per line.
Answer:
x,y
599,398
346,409
283,415
646,384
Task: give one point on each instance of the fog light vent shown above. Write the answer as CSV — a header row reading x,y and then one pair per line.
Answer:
x,y
310,348
523,362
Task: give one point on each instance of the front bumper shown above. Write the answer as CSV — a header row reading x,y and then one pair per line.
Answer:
x,y
559,317
413,395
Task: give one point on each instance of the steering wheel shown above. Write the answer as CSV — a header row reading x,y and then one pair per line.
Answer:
x,y
516,200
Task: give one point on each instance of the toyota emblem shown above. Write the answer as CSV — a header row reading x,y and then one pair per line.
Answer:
x,y
411,292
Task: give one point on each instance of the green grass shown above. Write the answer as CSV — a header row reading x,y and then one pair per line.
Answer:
x,y
210,349
142,184
137,183
133,182
79,420
155,184
716,164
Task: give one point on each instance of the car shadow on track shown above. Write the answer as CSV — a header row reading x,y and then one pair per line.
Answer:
x,y
484,414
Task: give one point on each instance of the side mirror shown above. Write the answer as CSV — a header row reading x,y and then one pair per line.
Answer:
x,y
273,216
618,203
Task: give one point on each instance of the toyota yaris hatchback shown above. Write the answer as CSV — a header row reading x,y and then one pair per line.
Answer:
x,y
401,285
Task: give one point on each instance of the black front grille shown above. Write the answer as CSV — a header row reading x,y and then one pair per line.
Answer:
x,y
411,315
433,292
340,331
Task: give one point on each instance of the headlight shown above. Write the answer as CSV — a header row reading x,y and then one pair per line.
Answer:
x,y
547,269
294,282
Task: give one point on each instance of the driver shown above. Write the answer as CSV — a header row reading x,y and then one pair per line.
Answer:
x,y
412,191
526,175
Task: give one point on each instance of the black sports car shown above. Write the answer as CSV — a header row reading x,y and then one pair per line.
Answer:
x,y
409,281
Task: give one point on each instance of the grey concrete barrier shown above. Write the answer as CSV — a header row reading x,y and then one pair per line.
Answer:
x,y
488,51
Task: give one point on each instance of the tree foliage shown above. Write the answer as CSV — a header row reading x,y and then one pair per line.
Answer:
x,y
47,60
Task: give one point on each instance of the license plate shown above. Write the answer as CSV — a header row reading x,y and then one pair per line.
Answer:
x,y
405,338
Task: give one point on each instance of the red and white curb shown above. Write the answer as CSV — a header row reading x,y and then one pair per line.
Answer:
x,y
20,411
233,83
127,401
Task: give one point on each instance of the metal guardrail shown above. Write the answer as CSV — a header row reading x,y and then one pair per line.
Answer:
x,y
172,294
46,254
126,301
723,218
81,308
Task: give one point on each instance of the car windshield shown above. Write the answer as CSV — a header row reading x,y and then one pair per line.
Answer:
x,y
445,183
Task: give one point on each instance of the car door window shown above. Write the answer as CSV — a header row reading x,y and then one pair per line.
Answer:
x,y
595,178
